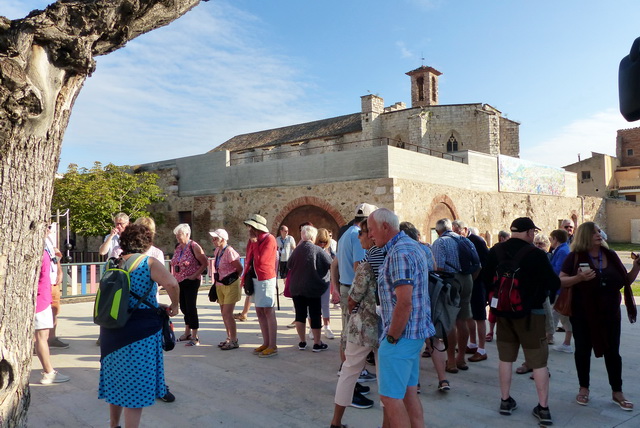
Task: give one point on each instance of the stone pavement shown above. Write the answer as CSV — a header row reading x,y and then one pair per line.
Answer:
x,y
234,388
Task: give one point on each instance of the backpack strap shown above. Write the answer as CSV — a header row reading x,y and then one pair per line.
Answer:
x,y
132,267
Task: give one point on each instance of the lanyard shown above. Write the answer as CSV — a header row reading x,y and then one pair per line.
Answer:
x,y
599,261
219,256
184,248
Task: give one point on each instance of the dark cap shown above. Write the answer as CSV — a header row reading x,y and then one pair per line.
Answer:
x,y
522,224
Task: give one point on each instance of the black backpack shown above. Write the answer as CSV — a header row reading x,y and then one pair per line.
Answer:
x,y
510,300
467,255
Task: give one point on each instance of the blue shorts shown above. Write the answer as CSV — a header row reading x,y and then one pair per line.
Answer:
x,y
264,295
398,366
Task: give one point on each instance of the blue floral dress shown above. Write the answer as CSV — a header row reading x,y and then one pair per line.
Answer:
x,y
131,361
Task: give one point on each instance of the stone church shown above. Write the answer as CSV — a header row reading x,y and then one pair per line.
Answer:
x,y
424,162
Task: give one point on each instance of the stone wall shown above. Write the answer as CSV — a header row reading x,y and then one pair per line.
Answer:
x,y
623,212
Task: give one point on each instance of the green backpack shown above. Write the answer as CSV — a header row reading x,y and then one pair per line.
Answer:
x,y
111,308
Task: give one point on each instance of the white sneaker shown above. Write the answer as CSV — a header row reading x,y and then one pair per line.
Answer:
x,y
53,377
328,332
563,348
310,334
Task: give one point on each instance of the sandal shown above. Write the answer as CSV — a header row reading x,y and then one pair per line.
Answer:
x,y
523,369
193,342
489,337
624,404
451,369
232,344
582,399
443,385
426,354
184,338
221,344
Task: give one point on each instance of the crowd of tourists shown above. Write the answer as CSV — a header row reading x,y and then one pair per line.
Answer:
x,y
378,270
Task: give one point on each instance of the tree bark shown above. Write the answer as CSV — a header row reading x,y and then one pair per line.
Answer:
x,y
44,61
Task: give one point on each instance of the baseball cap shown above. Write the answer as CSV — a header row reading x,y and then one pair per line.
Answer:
x,y
220,233
363,210
522,224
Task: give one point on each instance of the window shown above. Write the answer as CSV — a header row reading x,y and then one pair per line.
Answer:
x,y
452,144
185,217
586,175
420,83
629,152
631,198
433,89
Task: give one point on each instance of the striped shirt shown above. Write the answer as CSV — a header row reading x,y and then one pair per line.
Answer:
x,y
406,264
375,257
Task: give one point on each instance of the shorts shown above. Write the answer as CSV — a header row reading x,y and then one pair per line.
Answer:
x,y
264,295
229,294
44,319
528,332
466,287
478,302
398,366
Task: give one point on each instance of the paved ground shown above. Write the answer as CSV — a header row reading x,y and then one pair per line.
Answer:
x,y
217,388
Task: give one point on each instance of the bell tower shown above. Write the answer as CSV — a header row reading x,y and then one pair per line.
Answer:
x,y
424,86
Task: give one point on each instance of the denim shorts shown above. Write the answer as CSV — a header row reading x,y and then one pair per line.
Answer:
x,y
265,293
398,366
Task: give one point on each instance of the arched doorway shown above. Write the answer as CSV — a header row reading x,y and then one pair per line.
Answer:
x,y
319,217
442,206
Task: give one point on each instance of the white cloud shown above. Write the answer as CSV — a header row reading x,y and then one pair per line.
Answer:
x,y
184,89
596,133
404,51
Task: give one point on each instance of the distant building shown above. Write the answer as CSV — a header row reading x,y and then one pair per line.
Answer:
x,y
425,162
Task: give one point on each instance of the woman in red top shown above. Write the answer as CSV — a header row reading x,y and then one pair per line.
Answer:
x,y
187,264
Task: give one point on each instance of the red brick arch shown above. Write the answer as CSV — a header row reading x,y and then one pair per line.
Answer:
x,y
301,202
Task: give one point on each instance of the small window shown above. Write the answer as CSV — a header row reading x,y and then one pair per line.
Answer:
x,y
631,198
586,175
420,83
452,144
629,152
185,217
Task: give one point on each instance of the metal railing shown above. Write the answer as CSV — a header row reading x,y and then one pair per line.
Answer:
x,y
83,279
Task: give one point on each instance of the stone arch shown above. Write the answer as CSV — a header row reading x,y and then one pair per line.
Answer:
x,y
308,208
441,206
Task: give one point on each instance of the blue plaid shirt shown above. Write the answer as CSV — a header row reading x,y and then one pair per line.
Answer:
x,y
445,250
406,263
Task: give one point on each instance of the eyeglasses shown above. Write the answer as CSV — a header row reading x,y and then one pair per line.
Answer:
x,y
568,227
120,224
362,232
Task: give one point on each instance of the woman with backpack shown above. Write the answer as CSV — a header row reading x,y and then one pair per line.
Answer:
x,y
131,361
187,264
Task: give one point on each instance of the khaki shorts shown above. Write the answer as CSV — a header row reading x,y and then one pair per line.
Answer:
x,y
229,294
465,289
528,332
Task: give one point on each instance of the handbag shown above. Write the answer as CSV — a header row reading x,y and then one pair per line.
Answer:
x,y
168,335
563,301
213,294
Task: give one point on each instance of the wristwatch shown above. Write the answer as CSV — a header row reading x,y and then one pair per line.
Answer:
x,y
392,340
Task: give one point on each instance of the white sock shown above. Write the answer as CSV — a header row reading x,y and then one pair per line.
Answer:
x,y
481,351
472,345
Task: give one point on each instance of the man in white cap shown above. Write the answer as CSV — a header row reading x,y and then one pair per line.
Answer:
x,y
260,269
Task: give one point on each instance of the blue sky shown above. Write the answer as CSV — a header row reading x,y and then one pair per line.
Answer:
x,y
232,67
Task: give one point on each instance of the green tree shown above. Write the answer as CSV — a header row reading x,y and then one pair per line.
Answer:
x,y
94,195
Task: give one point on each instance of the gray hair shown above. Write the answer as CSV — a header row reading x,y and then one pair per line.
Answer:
x,y
458,223
121,216
504,234
443,224
308,233
474,231
184,228
384,215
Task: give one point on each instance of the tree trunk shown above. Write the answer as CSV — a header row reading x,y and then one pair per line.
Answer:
x,y
44,61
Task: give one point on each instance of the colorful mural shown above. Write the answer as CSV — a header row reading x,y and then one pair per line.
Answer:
x,y
521,176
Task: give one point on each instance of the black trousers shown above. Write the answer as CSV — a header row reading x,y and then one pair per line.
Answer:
x,y
584,346
188,297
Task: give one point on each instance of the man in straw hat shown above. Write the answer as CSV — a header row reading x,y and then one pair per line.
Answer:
x,y
262,252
